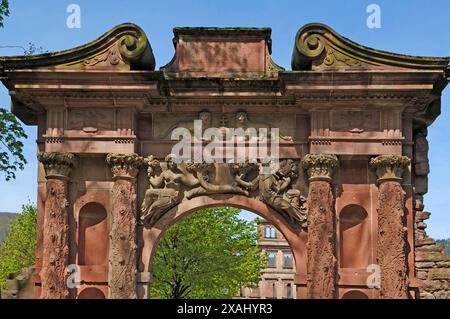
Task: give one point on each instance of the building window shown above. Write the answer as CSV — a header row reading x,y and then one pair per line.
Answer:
x,y
270,232
289,291
287,260
271,259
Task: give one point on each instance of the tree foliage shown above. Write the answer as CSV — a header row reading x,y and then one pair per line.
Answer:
x,y
209,254
4,11
19,248
11,146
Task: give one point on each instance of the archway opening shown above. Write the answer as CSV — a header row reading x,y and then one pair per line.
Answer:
x,y
222,252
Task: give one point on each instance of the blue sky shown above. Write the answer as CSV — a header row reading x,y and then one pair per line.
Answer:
x,y
409,27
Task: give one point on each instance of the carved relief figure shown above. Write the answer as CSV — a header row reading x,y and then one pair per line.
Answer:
x,y
174,183
165,188
274,190
242,121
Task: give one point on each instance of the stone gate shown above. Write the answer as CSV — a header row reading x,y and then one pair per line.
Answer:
x,y
347,193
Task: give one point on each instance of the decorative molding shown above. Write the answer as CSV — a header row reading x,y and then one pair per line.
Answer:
x,y
124,166
54,140
58,165
319,141
111,57
389,167
124,140
320,166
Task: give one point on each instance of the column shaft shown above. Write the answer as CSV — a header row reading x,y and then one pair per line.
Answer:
x,y
392,235
321,245
391,249
322,264
122,249
122,246
56,227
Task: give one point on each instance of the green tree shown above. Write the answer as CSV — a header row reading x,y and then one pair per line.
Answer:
x,y
4,11
11,147
11,130
19,248
209,254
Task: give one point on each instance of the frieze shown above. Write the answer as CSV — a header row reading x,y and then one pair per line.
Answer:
x,y
170,183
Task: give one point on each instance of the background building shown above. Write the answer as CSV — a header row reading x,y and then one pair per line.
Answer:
x,y
278,277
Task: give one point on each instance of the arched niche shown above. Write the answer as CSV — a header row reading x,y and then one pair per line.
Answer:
x,y
93,235
354,237
355,294
91,293
150,236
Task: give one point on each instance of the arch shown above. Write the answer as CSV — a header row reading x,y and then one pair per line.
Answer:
x,y
354,237
149,237
355,294
91,293
92,235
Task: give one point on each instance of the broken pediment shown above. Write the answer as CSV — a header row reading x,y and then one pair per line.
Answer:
x,y
240,53
319,48
123,48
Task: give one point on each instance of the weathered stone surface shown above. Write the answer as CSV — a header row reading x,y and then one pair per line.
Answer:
x,y
425,264
423,275
19,285
322,261
431,248
391,253
424,242
389,167
443,264
122,248
122,251
427,295
438,274
432,285
55,255
443,294
430,256
320,166
56,249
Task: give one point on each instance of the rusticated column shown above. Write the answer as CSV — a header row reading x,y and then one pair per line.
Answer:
x,y
122,236
391,251
321,246
56,228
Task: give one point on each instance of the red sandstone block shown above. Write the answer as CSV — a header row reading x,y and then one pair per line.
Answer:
x,y
430,256
439,274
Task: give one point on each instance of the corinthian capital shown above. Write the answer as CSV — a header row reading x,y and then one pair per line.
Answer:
x,y
389,167
320,167
124,165
57,165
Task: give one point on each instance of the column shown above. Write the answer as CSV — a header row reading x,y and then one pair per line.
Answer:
x,y
56,228
391,242
322,265
122,236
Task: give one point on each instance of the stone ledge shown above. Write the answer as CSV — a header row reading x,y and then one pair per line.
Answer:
x,y
432,248
424,242
439,274
430,256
